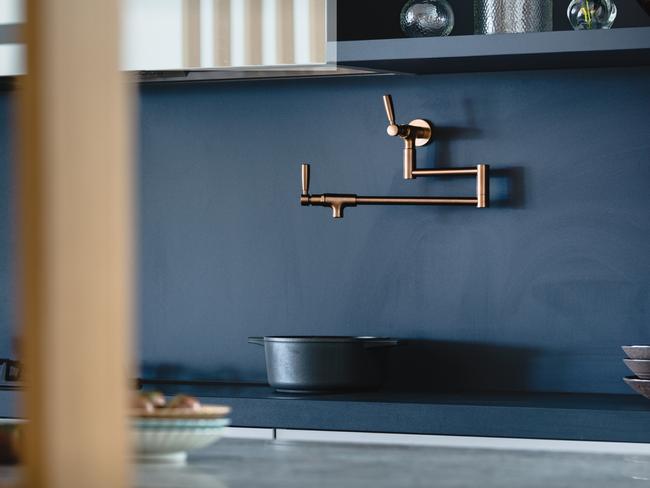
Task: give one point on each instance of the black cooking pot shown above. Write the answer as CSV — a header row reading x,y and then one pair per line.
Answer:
x,y
324,363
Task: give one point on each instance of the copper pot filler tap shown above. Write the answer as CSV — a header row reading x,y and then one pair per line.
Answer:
x,y
418,132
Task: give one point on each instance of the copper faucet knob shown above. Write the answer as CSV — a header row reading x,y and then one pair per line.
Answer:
x,y
393,130
390,111
305,178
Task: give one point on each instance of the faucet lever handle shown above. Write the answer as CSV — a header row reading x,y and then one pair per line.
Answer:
x,y
390,111
305,178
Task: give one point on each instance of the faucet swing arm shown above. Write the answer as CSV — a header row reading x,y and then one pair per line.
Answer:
x,y
417,133
338,202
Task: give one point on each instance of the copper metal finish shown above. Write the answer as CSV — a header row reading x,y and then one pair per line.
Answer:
x,y
445,172
415,200
338,202
305,178
390,111
482,185
424,136
418,132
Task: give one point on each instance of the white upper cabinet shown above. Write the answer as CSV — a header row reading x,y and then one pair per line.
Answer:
x,y
11,52
204,34
168,35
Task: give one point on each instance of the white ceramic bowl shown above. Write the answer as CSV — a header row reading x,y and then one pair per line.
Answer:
x,y
169,440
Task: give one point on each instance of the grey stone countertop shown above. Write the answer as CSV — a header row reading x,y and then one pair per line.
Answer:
x,y
235,463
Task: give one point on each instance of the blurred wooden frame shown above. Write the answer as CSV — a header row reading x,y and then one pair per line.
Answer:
x,y
75,245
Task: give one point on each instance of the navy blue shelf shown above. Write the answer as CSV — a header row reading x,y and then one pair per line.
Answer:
x,y
523,415
539,50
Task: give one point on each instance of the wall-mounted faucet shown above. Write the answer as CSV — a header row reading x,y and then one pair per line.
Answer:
x,y
418,132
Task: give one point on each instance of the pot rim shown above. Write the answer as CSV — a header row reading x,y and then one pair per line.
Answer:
x,y
347,339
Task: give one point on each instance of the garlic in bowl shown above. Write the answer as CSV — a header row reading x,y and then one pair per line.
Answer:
x,y
164,431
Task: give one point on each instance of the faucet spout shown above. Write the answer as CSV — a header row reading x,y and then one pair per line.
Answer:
x,y
337,202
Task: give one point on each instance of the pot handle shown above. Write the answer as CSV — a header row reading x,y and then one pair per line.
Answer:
x,y
381,343
256,340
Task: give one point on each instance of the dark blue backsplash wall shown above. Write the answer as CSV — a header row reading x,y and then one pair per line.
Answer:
x,y
6,233
536,293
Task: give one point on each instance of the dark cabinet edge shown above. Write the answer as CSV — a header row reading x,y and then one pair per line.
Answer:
x,y
624,47
161,77
554,42
541,50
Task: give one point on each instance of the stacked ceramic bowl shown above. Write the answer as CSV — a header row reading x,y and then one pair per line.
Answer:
x,y
638,360
167,434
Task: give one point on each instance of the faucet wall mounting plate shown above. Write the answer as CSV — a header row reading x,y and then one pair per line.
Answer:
x,y
424,124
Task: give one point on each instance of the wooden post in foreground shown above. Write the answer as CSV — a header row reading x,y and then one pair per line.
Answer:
x,y
75,246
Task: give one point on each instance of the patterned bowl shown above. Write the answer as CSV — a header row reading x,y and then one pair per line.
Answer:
x,y
168,440
640,386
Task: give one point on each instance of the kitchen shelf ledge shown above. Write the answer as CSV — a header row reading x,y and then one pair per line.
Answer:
x,y
538,50
592,417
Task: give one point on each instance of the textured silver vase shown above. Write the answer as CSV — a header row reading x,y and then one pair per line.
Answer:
x,y
498,16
